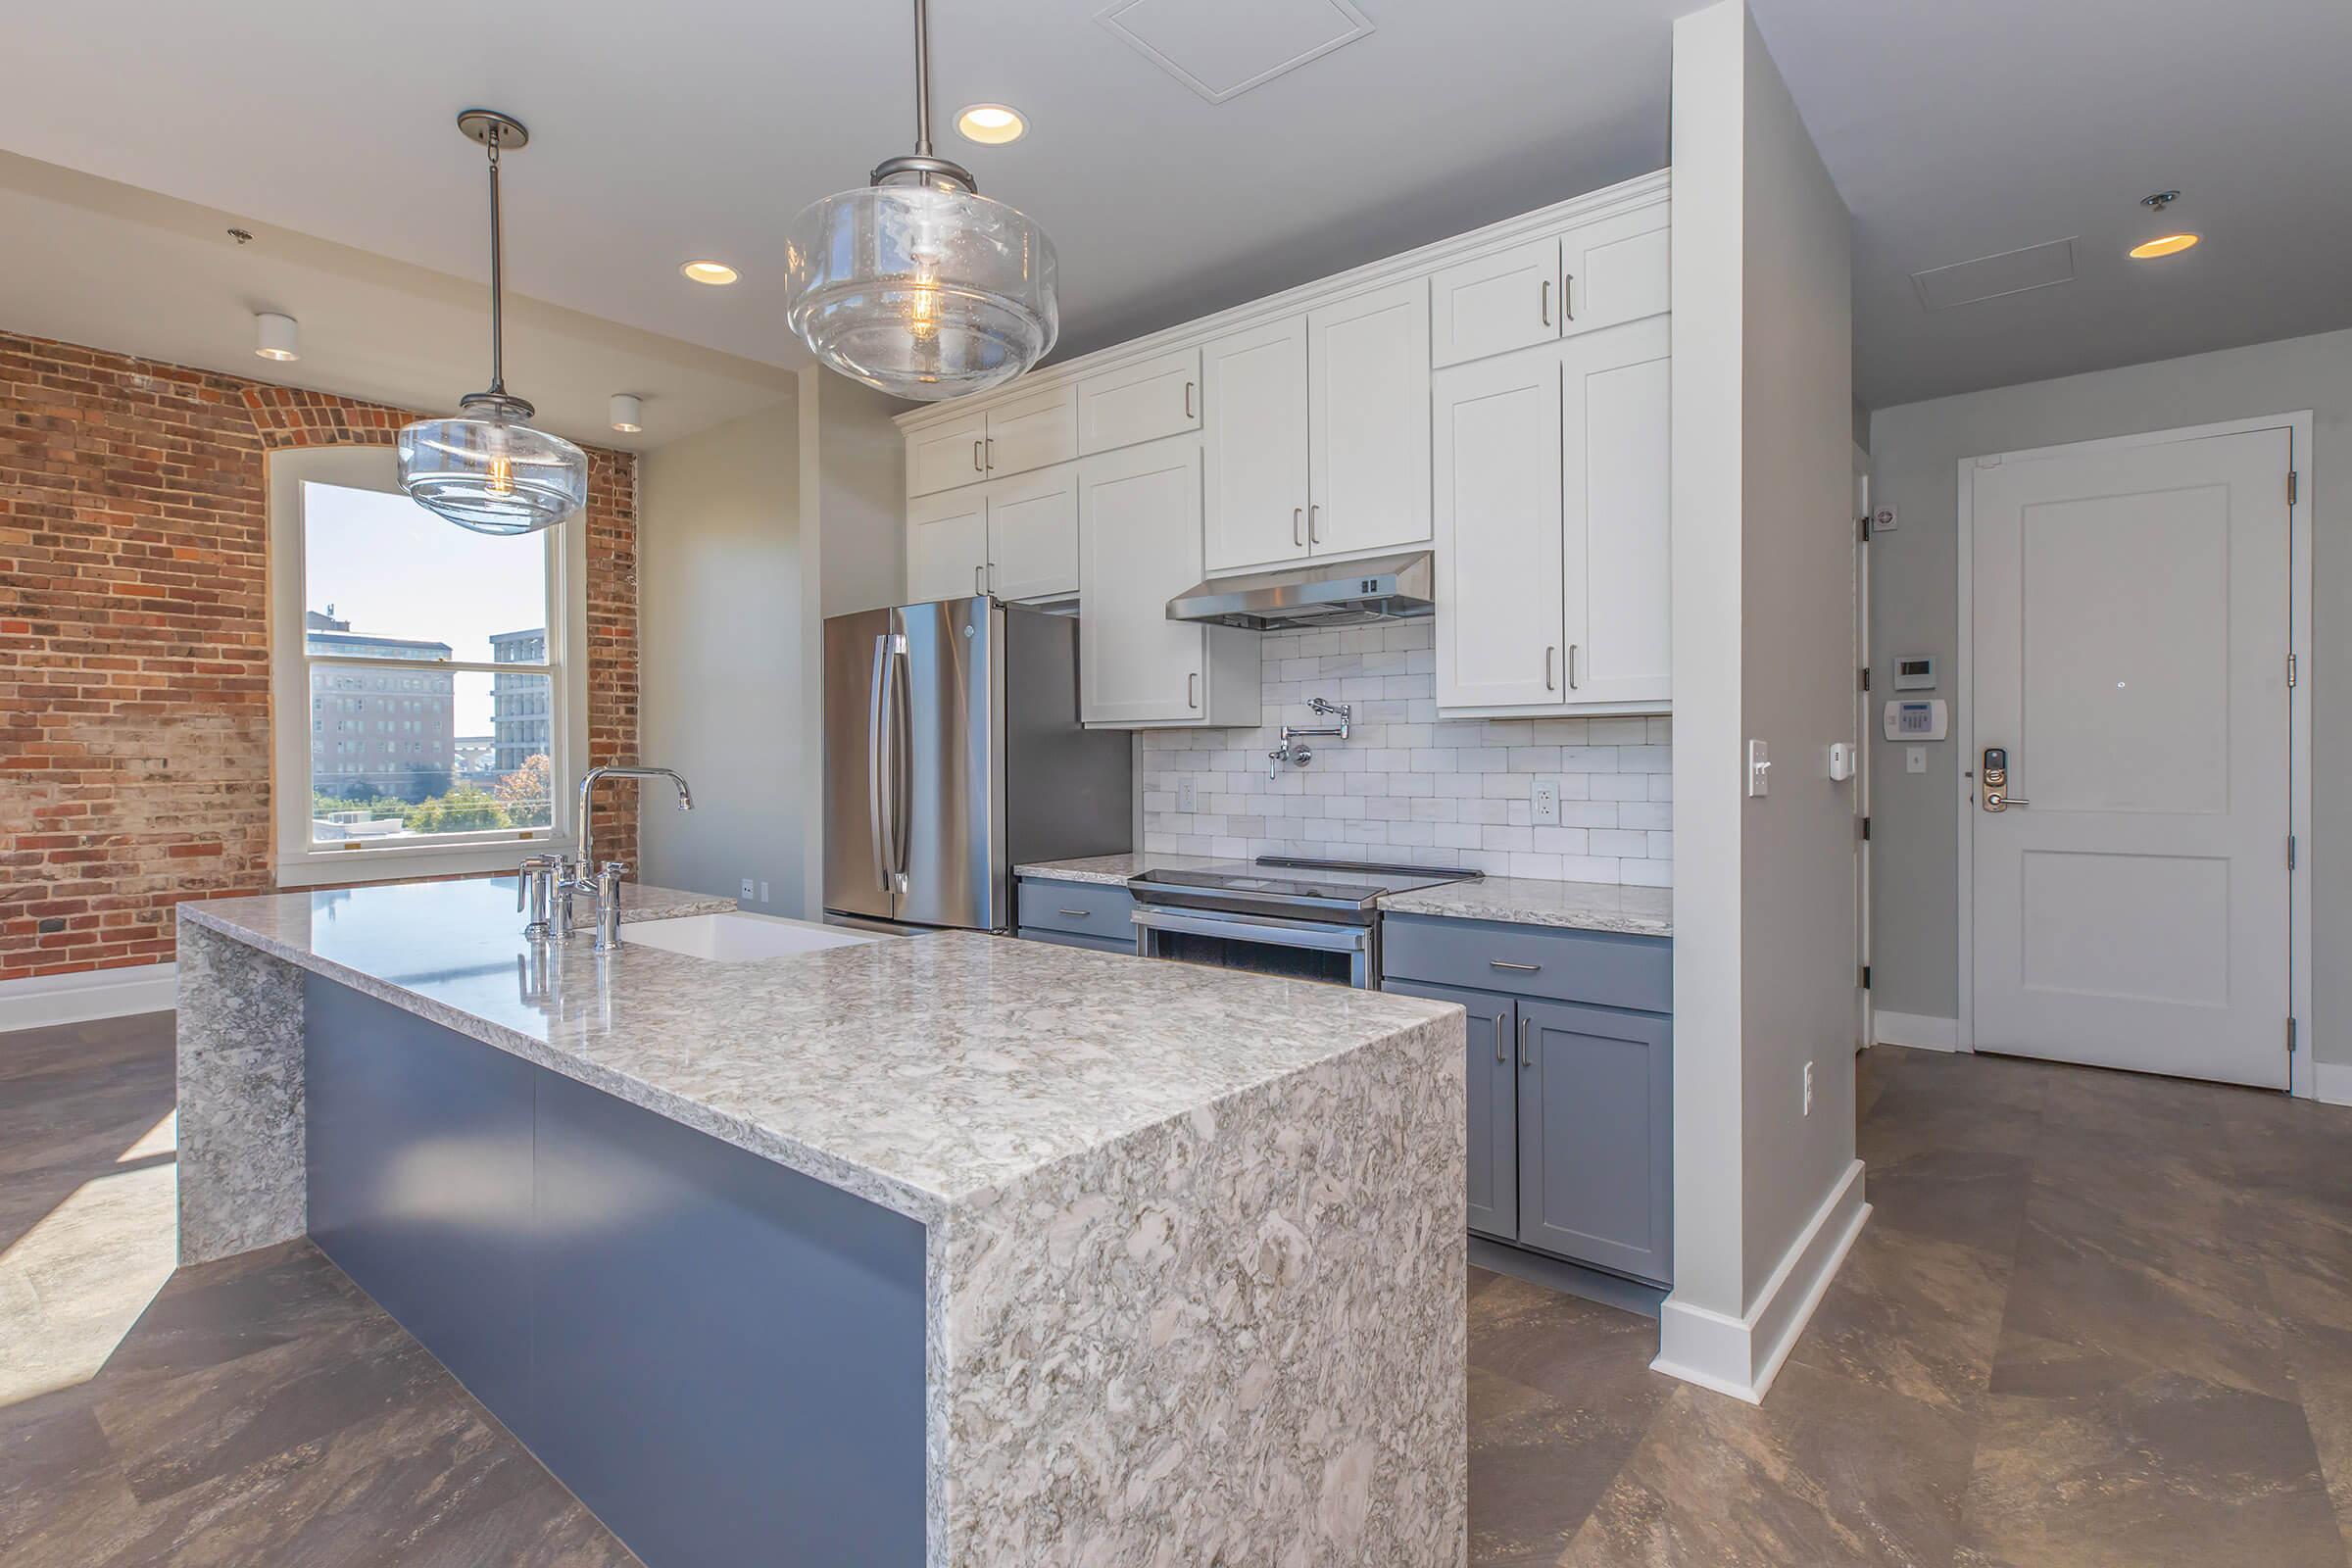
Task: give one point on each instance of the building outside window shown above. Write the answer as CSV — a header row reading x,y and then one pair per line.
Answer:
x,y
420,737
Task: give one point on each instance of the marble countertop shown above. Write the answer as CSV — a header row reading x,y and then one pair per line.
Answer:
x,y
1523,901
923,1073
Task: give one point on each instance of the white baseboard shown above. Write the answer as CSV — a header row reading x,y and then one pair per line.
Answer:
x,y
1740,1357
1917,1030
51,998
2331,1083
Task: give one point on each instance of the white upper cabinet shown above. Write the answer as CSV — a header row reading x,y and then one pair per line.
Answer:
x,y
1367,363
1139,402
1500,607
1030,432
1601,274
947,545
1254,387
944,456
1616,419
1139,546
1033,534
1495,303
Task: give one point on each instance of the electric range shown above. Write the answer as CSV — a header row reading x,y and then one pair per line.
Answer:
x,y
1307,919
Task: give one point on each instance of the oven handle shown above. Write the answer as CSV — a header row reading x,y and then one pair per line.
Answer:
x,y
1244,928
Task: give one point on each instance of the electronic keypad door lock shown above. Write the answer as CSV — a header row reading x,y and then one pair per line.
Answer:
x,y
1995,775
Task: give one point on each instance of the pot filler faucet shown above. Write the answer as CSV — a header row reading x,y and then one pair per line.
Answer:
x,y
1291,751
582,875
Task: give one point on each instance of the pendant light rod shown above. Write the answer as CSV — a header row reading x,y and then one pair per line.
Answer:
x,y
498,134
922,79
497,277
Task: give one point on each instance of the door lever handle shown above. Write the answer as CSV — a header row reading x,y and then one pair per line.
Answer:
x,y
1997,802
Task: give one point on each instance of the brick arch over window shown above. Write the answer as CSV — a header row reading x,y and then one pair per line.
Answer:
x,y
134,657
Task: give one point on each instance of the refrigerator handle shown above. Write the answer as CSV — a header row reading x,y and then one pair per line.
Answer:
x,y
901,703
878,771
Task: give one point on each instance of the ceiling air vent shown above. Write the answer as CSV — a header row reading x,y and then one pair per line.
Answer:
x,y
1989,277
1223,48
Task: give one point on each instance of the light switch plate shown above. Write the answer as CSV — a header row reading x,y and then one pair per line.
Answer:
x,y
1759,769
1546,802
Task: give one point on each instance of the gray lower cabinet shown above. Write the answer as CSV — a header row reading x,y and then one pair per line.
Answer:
x,y
1075,915
1489,1065
1569,1079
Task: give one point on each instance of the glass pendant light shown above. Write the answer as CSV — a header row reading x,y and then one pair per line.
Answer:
x,y
918,286
486,468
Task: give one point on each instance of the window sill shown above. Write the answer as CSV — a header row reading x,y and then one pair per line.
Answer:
x,y
347,867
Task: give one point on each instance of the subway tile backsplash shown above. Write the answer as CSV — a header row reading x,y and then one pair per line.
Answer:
x,y
1407,787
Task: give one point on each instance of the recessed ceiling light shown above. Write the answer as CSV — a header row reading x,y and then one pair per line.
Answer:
x,y
274,336
2163,245
991,125
626,412
712,272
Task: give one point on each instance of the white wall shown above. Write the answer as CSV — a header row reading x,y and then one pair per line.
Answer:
x,y
719,608
1915,454
1764,918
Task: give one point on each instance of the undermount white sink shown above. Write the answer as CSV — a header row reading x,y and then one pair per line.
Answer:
x,y
735,937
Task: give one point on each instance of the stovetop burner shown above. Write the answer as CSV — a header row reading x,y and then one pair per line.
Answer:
x,y
1321,886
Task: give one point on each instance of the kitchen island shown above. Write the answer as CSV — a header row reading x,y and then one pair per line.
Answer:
x,y
948,1249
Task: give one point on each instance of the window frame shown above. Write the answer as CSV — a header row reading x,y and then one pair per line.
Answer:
x,y
300,862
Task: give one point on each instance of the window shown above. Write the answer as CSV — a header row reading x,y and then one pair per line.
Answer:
x,y
414,635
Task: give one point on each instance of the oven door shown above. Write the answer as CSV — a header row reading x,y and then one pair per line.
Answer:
x,y
1261,944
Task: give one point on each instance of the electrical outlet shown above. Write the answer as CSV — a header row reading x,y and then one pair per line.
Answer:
x,y
1808,1088
747,891
1915,758
1188,795
1546,810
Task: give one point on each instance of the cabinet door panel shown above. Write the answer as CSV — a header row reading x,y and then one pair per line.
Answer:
x,y
1033,534
1615,270
1032,432
1255,442
1495,303
947,545
1139,546
1595,1137
1496,454
1368,415
946,456
1139,403
1493,1103
1616,425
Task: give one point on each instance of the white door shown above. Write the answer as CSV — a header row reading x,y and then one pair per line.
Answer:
x,y
1139,546
1496,454
1033,534
947,545
948,454
1616,422
1255,436
1495,303
1368,361
2130,657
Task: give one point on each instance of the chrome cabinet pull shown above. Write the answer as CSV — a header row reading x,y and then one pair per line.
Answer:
x,y
1505,963
1526,1057
980,578
1568,298
1551,681
1298,523
1077,914
1572,666
989,444
1192,690
977,465
1188,400
1548,301
1314,523
1502,1052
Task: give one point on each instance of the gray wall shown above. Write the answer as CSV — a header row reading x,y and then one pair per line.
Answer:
x,y
719,604
1915,454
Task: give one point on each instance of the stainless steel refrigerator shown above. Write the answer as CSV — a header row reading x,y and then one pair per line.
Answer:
x,y
954,753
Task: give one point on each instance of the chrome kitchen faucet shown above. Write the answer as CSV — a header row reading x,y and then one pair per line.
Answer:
x,y
602,883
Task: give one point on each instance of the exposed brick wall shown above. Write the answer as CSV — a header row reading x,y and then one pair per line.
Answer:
x,y
134,642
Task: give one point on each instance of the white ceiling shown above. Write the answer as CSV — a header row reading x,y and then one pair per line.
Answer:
x,y
1954,131
1967,128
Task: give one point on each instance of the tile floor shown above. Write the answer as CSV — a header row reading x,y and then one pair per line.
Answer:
x,y
2095,1319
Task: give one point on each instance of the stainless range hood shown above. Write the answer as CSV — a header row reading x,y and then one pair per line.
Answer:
x,y
1317,594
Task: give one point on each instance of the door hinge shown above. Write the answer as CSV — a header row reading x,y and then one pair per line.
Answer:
x,y
2292,487
1866,977
2291,671
2291,852
1866,678
1866,828
1864,531
2290,1037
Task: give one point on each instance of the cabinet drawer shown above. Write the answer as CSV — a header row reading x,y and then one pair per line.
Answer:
x,y
1080,909
1600,967
1138,403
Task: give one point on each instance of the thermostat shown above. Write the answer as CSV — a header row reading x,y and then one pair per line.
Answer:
x,y
1915,672
1916,719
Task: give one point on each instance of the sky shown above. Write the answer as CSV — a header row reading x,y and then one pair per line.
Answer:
x,y
391,568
